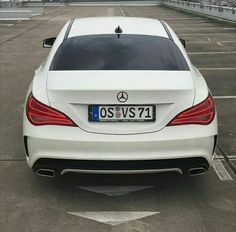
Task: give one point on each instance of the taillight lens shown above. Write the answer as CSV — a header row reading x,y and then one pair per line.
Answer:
x,y
40,114
202,113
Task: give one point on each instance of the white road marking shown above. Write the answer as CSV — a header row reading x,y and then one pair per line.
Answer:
x,y
184,18
122,11
211,53
227,41
6,24
196,23
113,217
229,28
197,42
229,156
203,34
223,97
220,170
219,43
209,40
203,28
233,68
114,190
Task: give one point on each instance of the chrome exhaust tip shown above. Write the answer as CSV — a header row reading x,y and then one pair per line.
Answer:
x,y
196,171
45,172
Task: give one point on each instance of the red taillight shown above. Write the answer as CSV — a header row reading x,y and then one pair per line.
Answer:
x,y
202,113
40,114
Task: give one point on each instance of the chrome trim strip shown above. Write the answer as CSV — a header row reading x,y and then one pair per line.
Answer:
x,y
122,171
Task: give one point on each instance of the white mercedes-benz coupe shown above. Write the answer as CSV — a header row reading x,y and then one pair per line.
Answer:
x,y
118,95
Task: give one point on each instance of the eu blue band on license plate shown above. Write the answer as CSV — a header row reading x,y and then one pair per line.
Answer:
x,y
95,113
121,113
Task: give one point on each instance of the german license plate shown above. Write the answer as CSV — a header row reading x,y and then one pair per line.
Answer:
x,y
121,113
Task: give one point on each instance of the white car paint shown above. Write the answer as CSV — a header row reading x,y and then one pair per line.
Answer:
x,y
172,95
118,141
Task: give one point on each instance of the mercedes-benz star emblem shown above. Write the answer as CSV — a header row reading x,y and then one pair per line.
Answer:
x,y
122,96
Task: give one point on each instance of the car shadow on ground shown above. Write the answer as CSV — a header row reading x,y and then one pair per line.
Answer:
x,y
171,183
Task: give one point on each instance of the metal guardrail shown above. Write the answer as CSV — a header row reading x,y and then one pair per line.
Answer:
x,y
14,11
35,10
90,2
197,6
9,14
222,12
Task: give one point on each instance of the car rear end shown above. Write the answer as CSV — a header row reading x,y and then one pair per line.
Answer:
x,y
119,104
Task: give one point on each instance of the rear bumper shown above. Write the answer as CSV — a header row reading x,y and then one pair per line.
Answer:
x,y
138,156
73,148
62,166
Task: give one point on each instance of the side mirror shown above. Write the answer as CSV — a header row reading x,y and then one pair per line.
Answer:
x,y
183,42
47,43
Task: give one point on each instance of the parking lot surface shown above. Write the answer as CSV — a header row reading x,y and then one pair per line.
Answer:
x,y
134,203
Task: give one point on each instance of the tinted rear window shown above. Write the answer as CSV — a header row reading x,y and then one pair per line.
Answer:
x,y
128,52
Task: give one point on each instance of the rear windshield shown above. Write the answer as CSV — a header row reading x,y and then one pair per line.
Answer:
x,y
126,52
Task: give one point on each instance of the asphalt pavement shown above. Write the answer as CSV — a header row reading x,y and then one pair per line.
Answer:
x,y
117,203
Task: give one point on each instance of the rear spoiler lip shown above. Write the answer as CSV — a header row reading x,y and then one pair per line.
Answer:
x,y
68,29
167,30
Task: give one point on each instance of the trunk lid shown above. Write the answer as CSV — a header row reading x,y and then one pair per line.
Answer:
x,y
72,91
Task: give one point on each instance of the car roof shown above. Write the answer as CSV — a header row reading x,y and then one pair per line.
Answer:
x,y
107,25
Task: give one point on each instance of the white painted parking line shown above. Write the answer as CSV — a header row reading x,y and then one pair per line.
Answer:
x,y
197,42
223,97
229,28
113,217
229,156
220,170
114,190
6,24
183,18
227,41
196,34
195,23
211,53
203,28
212,69
122,11
209,41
